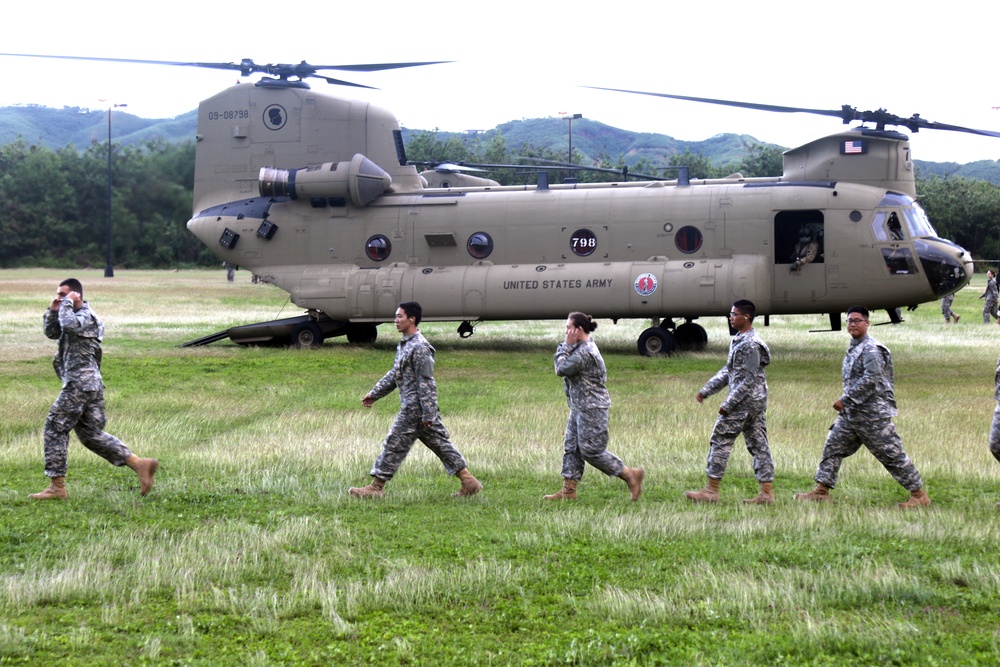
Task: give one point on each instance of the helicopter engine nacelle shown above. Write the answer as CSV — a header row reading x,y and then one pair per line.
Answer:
x,y
361,180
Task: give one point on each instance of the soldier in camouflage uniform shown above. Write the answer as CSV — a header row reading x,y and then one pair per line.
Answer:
x,y
579,363
413,374
995,428
866,409
991,294
946,310
80,405
744,410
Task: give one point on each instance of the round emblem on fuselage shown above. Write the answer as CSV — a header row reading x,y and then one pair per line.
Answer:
x,y
645,284
275,117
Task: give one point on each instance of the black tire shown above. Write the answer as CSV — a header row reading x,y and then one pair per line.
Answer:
x,y
362,334
691,337
307,334
657,342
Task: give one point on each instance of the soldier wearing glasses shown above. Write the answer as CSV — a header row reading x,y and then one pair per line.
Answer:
x,y
743,411
866,409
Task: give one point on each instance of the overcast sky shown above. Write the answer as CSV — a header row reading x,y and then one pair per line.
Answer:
x,y
516,60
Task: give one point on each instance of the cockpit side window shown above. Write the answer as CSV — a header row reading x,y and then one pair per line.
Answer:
x,y
887,227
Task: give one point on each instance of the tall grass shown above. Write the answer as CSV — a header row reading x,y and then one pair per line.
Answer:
x,y
250,551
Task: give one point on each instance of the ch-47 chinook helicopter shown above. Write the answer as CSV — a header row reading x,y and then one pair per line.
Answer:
x,y
313,193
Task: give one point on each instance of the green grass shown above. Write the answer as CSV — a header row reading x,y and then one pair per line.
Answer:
x,y
249,551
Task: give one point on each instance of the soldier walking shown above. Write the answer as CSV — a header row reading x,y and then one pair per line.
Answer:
x,y
579,363
991,295
995,428
946,310
413,374
866,408
744,410
80,405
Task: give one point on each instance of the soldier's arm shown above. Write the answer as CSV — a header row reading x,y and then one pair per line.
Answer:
x,y
569,360
717,382
384,386
423,366
50,324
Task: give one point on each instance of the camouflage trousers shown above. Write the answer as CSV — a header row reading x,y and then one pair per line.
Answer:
x,y
82,412
989,311
586,441
405,430
753,426
879,435
995,434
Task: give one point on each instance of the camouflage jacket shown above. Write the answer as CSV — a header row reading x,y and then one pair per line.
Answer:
x,y
744,374
413,373
868,380
996,381
79,333
584,375
991,290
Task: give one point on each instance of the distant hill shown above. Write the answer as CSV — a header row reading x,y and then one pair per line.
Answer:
x,y
72,126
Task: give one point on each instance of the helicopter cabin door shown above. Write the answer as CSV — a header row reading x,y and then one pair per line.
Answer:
x,y
799,262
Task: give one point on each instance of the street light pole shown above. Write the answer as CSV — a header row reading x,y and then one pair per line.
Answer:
x,y
571,118
109,271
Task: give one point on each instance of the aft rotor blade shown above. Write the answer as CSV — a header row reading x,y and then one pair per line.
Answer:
x,y
378,67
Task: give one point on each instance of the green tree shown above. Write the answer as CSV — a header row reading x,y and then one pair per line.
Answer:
x,y
762,160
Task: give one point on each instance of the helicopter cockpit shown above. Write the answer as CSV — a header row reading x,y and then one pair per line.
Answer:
x,y
900,220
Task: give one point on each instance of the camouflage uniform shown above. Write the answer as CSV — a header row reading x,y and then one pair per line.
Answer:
x,y
80,405
946,310
991,294
745,407
584,376
413,374
995,429
869,406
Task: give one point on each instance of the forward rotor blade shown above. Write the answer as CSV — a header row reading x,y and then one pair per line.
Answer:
x,y
846,113
836,113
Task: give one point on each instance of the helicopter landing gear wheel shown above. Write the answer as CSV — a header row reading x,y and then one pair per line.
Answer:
x,y
307,334
656,342
362,334
691,337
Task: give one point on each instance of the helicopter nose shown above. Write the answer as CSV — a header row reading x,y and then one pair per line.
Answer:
x,y
948,266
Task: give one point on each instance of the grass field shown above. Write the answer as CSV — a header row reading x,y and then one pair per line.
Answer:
x,y
249,551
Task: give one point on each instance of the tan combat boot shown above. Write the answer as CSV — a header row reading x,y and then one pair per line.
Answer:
x,y
470,485
568,492
56,490
374,490
765,497
710,494
918,498
633,477
145,468
820,493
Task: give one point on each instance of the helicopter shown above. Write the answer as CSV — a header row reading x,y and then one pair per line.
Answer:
x,y
313,193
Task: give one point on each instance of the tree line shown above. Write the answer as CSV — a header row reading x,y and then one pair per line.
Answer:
x,y
54,203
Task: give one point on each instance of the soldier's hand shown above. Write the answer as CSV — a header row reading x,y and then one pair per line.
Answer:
x,y
367,400
838,405
54,306
699,397
722,411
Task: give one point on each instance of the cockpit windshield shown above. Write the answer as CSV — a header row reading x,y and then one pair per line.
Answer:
x,y
914,224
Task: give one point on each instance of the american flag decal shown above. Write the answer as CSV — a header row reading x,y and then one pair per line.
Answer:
x,y
853,147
